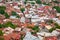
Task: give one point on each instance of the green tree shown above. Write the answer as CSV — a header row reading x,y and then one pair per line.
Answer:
x,y
35,29
15,14
57,8
32,3
22,9
25,1
9,24
1,33
1,25
6,15
38,1
57,26
52,29
2,9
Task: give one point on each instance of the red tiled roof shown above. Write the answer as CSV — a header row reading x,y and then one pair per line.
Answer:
x,y
51,38
12,35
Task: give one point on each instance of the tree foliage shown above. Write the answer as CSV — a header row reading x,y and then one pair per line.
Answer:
x,y
22,9
57,8
38,1
9,24
15,14
1,33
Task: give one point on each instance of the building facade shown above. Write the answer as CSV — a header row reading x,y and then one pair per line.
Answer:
x,y
8,0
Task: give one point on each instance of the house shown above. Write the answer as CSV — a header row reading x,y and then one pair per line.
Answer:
x,y
12,36
51,38
9,0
